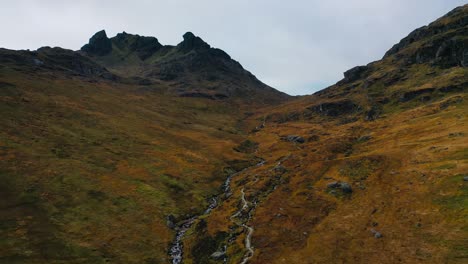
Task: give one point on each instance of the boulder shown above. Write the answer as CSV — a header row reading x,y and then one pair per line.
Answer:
x,y
376,233
170,221
218,255
343,186
333,185
295,139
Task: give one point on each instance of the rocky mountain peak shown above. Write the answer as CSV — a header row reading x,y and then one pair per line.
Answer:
x,y
142,45
99,44
192,42
442,42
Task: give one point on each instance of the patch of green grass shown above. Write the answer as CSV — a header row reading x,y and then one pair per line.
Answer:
x,y
447,166
457,201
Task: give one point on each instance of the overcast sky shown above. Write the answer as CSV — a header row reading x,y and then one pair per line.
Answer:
x,y
297,46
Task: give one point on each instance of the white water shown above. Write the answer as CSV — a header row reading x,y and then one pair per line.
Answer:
x,y
248,245
250,230
177,249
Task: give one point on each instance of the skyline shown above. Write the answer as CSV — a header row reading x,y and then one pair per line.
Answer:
x,y
298,48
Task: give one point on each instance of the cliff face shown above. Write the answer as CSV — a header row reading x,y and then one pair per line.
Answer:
x,y
443,42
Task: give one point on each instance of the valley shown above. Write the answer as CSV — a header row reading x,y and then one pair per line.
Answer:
x,y
130,151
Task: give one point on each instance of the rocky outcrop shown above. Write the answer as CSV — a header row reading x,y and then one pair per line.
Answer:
x,y
413,94
442,43
293,138
453,52
336,108
143,46
62,59
99,44
354,74
192,42
193,67
342,186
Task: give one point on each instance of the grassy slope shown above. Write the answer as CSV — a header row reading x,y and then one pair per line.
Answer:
x,y
90,170
406,170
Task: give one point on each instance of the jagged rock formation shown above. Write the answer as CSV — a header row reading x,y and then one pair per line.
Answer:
x,y
144,47
99,44
194,68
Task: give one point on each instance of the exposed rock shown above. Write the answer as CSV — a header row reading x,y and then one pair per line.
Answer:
x,y
335,108
218,255
206,72
333,185
453,52
73,62
373,113
354,73
454,88
364,138
440,43
99,44
170,221
343,186
143,46
294,138
413,94
465,178
171,71
192,42
376,233
38,62
457,20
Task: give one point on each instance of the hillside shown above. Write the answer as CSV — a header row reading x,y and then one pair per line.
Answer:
x,y
369,170
97,165
130,151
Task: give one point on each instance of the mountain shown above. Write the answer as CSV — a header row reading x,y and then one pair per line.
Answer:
x,y
193,68
130,151
96,162
369,170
